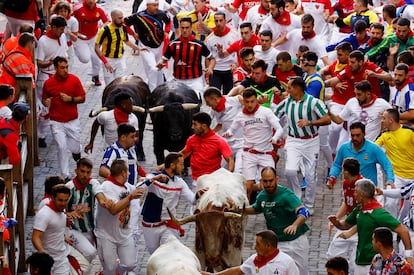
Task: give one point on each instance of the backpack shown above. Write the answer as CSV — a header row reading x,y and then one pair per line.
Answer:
x,y
17,5
149,29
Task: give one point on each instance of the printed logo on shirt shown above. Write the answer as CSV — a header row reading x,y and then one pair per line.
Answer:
x,y
253,121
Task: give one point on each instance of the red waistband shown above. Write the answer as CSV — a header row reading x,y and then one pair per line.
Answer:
x,y
253,151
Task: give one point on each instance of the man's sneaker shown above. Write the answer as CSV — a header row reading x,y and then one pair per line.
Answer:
x,y
96,81
42,142
304,183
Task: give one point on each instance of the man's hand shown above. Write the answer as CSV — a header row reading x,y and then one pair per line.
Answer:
x,y
334,220
160,64
88,148
109,68
341,86
69,241
393,50
330,183
290,230
47,101
137,193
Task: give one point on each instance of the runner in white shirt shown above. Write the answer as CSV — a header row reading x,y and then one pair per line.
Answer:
x,y
222,77
257,14
113,233
224,110
305,36
265,51
260,128
280,22
366,108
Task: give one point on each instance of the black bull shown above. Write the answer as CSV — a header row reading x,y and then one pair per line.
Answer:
x,y
171,107
138,90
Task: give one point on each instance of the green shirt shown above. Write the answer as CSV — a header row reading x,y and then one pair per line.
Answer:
x,y
367,221
390,41
279,212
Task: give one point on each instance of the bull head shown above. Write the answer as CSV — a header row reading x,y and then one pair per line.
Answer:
x,y
192,218
186,106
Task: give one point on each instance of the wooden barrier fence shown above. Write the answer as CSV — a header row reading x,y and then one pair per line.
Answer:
x,y
19,180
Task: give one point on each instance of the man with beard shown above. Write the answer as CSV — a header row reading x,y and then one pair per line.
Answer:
x,y
397,42
222,77
285,215
366,152
402,94
280,22
357,70
365,107
340,95
111,39
307,36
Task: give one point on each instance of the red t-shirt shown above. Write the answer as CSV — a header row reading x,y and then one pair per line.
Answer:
x,y
349,194
206,152
246,5
340,97
240,74
30,14
88,19
239,44
59,110
353,77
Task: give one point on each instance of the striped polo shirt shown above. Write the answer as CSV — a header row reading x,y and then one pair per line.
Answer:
x,y
308,108
112,38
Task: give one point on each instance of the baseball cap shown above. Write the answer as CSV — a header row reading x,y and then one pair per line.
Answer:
x,y
20,111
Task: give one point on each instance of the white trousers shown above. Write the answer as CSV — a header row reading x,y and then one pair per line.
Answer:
x,y
362,269
16,23
85,51
307,151
156,236
83,242
197,84
392,205
345,248
298,249
119,66
67,137
61,267
337,133
110,252
252,164
150,58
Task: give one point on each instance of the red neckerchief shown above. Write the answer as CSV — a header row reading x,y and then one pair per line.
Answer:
x,y
260,261
120,116
185,40
284,18
252,112
114,181
362,41
264,80
374,97
52,206
221,105
261,10
410,33
373,204
47,196
407,81
204,11
220,34
79,185
52,36
2,104
312,35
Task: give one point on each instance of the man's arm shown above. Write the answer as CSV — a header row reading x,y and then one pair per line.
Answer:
x,y
230,163
302,214
121,204
340,224
230,271
104,171
382,75
94,131
408,115
98,52
402,231
332,82
236,90
37,240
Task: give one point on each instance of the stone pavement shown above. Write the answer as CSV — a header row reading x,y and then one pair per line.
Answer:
x,y
326,203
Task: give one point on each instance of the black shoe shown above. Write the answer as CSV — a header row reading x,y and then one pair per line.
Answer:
x,y
42,142
76,157
96,81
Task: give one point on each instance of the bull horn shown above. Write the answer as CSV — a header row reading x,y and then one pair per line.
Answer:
x,y
138,109
189,106
232,215
97,112
156,109
185,220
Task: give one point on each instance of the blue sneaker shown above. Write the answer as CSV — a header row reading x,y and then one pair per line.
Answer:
x,y
304,183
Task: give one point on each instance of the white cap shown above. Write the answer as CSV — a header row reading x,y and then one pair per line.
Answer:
x,y
152,2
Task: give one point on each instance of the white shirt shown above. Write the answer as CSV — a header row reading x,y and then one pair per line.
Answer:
x,y
257,129
315,44
317,9
53,225
5,112
47,49
109,226
268,56
352,113
256,18
279,30
107,119
222,64
282,264
233,107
